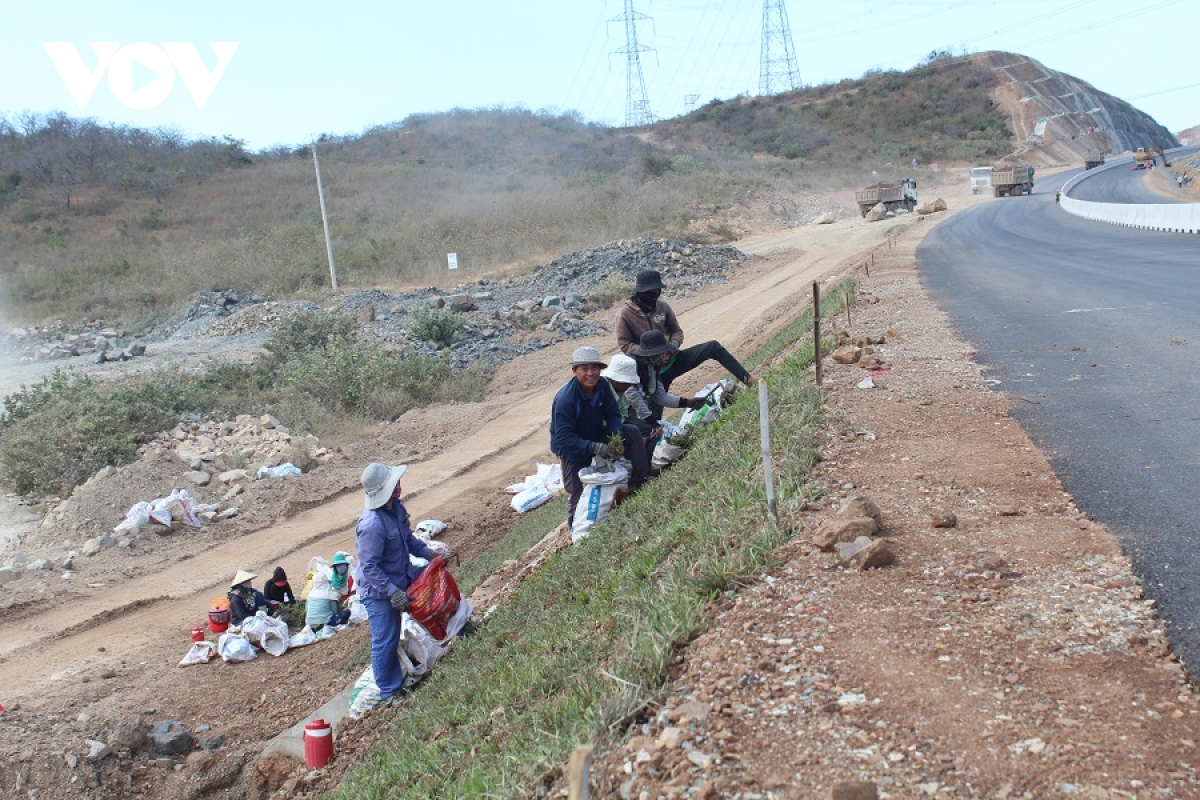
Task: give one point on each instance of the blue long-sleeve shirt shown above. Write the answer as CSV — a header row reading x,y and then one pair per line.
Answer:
x,y
384,541
578,421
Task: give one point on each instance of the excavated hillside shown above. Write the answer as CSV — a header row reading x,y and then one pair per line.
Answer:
x,y
1079,118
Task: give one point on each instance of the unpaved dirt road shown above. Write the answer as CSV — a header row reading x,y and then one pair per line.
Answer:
x,y
500,440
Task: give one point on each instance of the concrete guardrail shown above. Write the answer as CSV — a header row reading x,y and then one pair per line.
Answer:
x,y
1173,217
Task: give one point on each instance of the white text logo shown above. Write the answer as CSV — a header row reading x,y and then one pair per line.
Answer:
x,y
165,61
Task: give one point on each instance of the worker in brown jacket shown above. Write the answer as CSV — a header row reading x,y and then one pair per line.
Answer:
x,y
644,311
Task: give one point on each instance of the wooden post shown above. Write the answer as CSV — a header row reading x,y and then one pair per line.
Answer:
x,y
325,220
871,264
846,300
817,329
579,773
764,428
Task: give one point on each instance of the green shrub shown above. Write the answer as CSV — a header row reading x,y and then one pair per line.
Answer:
x,y
434,324
306,331
613,289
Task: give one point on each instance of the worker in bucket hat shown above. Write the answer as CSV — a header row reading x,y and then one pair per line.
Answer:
x,y
384,540
584,415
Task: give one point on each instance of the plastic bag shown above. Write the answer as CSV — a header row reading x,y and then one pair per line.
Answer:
x,y
136,518
537,489
287,470
254,627
430,528
200,653
302,638
666,454
694,418
236,647
439,548
601,482
358,611
435,598
275,641
364,695
419,651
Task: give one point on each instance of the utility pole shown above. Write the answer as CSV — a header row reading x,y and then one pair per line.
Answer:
x,y
637,106
324,220
778,71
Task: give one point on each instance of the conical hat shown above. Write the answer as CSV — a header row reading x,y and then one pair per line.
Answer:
x,y
242,576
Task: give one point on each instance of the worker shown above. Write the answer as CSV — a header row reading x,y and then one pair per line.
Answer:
x,y
583,416
244,600
385,541
644,311
278,591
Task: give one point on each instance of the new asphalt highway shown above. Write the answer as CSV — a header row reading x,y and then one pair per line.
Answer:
x,y
1094,330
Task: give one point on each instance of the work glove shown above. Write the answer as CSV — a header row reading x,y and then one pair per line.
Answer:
x,y
400,601
601,450
695,402
674,345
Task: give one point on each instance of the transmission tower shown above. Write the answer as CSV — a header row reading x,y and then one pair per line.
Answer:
x,y
778,71
637,106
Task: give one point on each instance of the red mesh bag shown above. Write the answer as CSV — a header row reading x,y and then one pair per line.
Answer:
x,y
435,598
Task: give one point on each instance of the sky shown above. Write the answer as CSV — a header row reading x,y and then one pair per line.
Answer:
x,y
289,72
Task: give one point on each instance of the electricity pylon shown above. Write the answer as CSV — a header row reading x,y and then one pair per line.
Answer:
x,y
778,71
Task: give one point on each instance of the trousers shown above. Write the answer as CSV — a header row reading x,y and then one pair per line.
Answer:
x,y
385,640
639,462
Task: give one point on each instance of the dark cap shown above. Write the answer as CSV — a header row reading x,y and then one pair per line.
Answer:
x,y
648,280
652,343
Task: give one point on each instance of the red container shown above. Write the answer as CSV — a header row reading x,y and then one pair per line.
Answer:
x,y
197,633
218,619
318,744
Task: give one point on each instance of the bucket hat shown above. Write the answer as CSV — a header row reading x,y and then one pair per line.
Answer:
x,y
652,343
241,577
648,280
586,355
378,481
340,558
622,368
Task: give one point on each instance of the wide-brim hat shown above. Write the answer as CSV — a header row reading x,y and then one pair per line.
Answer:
x,y
622,368
379,480
586,355
652,343
241,577
648,280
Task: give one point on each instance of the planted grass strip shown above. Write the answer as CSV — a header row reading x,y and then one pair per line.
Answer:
x,y
585,643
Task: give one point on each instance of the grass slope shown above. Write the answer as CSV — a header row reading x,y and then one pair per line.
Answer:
x,y
584,647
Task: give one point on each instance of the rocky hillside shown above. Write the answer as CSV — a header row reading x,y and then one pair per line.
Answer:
x,y
1079,118
1189,136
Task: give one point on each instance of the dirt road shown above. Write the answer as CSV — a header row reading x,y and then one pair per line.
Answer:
x,y
500,440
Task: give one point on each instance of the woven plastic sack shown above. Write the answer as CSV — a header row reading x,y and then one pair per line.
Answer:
x,y
435,598
200,653
235,647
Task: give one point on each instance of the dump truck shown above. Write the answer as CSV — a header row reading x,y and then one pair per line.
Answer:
x,y
1091,162
1012,181
981,179
893,196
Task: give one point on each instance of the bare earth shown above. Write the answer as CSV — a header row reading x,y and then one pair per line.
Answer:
x,y
1009,656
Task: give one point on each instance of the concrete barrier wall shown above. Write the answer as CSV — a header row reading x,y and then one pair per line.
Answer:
x,y
1173,217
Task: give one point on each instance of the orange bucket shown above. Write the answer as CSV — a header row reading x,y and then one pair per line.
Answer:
x,y
218,615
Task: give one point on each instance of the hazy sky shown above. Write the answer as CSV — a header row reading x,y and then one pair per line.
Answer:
x,y
301,68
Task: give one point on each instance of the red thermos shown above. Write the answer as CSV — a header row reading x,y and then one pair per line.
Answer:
x,y
318,744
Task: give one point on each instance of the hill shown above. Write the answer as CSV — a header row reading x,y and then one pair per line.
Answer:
x,y
124,224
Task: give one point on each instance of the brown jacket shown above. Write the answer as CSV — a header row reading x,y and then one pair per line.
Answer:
x,y
632,323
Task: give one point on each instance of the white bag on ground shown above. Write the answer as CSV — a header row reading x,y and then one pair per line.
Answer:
x,y
538,488
236,647
254,627
694,418
419,651
275,639
136,518
666,454
601,482
200,653
364,695
304,636
429,528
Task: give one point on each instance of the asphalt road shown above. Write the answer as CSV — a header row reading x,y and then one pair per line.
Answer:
x,y
1094,329
1119,182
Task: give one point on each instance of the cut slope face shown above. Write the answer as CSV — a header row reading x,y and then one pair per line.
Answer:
x,y
1079,118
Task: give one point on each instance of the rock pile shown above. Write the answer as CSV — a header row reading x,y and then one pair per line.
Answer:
x,y
61,341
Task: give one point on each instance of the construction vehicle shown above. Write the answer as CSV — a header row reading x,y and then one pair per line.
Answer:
x,y
1091,162
981,179
893,196
1012,181
1147,156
